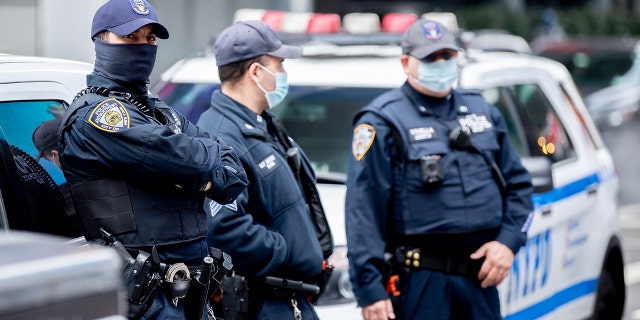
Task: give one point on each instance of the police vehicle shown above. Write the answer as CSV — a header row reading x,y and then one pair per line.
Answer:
x,y
44,276
572,265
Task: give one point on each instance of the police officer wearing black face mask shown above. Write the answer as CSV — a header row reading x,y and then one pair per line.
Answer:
x,y
138,170
437,199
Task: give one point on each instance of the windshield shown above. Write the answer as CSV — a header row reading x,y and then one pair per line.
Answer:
x,y
190,99
320,119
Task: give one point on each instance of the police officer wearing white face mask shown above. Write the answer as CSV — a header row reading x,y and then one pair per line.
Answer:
x,y
276,227
435,193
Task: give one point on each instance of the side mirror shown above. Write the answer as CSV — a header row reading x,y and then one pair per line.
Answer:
x,y
540,170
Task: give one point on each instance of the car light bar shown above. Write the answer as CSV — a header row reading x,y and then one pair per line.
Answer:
x,y
351,23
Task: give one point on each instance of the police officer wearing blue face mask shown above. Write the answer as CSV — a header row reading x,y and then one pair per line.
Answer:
x,y
437,199
139,171
277,227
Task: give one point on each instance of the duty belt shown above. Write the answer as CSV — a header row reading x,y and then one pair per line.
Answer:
x,y
419,259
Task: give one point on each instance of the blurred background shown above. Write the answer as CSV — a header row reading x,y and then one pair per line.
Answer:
x,y
60,29
597,40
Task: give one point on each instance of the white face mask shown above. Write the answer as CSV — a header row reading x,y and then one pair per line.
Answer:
x,y
280,92
438,76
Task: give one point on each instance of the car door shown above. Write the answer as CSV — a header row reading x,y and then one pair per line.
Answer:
x,y
37,201
551,271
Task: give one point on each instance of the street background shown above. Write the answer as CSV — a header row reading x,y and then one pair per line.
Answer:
x,y
624,144
60,29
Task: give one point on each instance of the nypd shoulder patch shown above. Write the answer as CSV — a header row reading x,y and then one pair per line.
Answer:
x,y
363,136
110,115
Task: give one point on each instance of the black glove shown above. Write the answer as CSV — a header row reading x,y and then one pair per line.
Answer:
x,y
229,180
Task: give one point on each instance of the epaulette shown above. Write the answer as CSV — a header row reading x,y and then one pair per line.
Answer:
x,y
138,101
97,90
385,99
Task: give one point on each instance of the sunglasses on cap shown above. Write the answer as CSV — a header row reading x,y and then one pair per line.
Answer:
x,y
442,54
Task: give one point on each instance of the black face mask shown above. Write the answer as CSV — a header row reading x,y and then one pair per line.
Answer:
x,y
130,64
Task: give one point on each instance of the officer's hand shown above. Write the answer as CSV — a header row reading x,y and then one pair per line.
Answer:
x,y
497,263
381,310
230,179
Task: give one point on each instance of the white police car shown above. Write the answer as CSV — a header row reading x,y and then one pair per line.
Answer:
x,y
43,276
572,264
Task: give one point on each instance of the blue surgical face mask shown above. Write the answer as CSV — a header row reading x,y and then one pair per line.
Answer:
x,y
438,76
280,92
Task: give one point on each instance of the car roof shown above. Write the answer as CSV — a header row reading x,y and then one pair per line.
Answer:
x,y
38,71
15,68
484,62
380,64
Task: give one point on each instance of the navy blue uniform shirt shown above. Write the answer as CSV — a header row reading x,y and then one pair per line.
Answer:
x,y
164,167
267,230
389,204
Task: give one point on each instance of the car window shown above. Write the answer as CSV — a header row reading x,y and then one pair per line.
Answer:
x,y
3,214
583,125
19,119
320,120
507,102
534,127
5,183
190,99
39,198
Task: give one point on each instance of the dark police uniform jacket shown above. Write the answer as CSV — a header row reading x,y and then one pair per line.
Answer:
x,y
267,230
388,204
163,165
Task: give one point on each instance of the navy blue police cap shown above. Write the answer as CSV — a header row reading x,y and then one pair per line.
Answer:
x,y
249,39
425,37
123,17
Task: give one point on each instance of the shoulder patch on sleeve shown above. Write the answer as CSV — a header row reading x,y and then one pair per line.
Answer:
x,y
110,115
363,136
